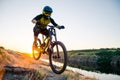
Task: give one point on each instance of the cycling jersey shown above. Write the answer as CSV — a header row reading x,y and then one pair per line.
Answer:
x,y
42,21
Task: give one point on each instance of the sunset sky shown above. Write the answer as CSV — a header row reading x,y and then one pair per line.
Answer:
x,y
88,23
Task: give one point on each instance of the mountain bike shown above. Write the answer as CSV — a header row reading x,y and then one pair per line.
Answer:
x,y
55,49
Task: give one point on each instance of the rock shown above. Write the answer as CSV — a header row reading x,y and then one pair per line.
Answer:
x,y
19,73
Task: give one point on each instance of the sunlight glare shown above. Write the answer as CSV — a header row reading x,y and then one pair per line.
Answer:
x,y
29,51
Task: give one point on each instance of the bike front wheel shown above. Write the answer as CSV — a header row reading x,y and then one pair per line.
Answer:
x,y
35,52
58,57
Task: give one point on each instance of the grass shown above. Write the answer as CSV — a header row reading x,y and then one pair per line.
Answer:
x,y
82,52
36,75
93,51
1,47
2,55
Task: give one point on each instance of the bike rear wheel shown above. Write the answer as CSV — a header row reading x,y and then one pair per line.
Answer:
x,y
35,52
58,57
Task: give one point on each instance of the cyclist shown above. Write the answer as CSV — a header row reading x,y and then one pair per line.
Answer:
x,y
41,21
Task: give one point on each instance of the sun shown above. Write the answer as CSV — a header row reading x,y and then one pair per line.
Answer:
x,y
29,51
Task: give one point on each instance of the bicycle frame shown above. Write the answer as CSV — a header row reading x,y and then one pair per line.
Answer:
x,y
52,32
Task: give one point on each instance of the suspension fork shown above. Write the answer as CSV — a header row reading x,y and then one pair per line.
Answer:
x,y
58,55
53,32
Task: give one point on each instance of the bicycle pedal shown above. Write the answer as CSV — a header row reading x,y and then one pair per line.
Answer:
x,y
55,57
59,57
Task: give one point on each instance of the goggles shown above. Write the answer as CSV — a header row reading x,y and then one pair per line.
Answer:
x,y
47,13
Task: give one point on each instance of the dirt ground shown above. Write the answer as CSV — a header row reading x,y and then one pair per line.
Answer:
x,y
16,66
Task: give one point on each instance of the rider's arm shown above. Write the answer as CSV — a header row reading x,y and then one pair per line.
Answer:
x,y
54,23
34,20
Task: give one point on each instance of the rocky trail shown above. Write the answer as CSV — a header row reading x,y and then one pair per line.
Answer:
x,y
21,66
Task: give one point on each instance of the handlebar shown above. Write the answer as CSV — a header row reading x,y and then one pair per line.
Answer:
x,y
59,27
51,26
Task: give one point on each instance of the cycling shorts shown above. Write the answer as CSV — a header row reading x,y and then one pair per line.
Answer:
x,y
38,30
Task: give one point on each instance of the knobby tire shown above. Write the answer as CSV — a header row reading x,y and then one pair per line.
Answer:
x,y
58,43
36,57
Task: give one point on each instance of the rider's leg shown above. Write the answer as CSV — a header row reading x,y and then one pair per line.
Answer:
x,y
46,33
36,31
35,39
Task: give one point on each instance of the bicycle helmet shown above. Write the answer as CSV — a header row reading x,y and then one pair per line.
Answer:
x,y
47,10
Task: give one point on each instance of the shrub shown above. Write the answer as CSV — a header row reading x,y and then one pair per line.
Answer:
x,y
117,52
1,47
105,57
